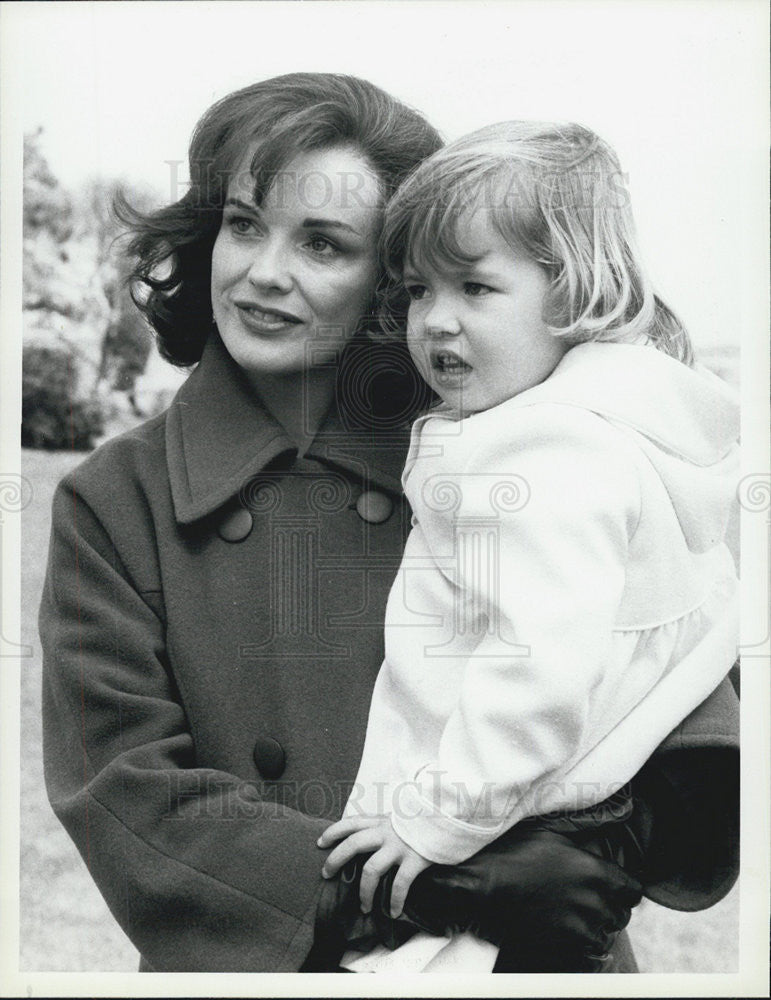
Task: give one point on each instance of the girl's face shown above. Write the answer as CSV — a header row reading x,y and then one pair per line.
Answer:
x,y
292,279
476,333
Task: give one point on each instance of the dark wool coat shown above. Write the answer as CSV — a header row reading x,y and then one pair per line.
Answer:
x,y
212,629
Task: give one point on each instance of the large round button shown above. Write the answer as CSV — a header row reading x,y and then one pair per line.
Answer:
x,y
374,507
269,757
235,525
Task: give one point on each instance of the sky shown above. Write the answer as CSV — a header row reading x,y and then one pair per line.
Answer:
x,y
679,88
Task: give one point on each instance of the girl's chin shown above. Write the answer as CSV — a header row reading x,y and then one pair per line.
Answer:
x,y
455,394
466,400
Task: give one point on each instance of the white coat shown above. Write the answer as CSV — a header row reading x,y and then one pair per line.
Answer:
x,y
565,597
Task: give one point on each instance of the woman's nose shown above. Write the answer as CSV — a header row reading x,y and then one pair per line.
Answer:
x,y
270,269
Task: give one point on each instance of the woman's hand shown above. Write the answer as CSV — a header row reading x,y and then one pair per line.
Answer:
x,y
373,834
550,905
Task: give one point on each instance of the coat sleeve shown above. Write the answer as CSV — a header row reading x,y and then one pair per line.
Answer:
x,y
547,576
686,807
200,874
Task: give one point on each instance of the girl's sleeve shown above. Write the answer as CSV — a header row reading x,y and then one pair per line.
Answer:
x,y
198,875
541,535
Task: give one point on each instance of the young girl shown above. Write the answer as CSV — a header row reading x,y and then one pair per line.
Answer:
x,y
565,597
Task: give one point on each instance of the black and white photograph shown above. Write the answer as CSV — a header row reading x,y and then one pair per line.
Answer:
x,y
385,505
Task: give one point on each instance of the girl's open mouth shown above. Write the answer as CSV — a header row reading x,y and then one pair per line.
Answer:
x,y
448,363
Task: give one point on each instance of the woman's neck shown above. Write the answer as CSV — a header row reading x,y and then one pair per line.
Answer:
x,y
298,401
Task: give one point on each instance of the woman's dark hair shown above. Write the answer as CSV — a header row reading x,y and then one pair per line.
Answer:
x,y
278,118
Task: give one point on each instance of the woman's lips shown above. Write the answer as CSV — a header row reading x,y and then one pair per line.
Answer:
x,y
265,320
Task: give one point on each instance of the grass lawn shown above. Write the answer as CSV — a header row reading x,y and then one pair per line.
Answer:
x,y
65,925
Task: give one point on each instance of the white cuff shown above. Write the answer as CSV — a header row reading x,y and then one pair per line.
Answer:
x,y
436,836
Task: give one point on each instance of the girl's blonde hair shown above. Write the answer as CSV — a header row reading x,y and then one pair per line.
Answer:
x,y
555,192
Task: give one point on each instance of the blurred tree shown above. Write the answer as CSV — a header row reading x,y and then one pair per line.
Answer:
x,y
77,309
50,417
47,227
127,342
46,205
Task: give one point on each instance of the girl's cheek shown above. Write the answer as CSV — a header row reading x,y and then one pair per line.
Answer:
x,y
418,352
415,318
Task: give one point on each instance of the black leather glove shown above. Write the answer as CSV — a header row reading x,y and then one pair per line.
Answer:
x,y
339,919
549,905
616,829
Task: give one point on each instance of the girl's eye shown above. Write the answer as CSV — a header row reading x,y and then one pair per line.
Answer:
x,y
322,246
415,292
475,288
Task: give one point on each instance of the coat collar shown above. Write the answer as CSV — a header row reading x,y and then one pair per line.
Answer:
x,y
218,436
687,411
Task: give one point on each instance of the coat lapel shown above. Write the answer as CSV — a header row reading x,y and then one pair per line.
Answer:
x,y
219,435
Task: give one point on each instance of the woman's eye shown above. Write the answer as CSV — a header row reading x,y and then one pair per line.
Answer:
x,y
322,246
240,225
475,288
415,292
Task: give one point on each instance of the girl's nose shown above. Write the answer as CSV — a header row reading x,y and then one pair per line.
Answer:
x,y
269,269
441,320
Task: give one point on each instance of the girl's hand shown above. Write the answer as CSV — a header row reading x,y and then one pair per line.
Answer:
x,y
361,835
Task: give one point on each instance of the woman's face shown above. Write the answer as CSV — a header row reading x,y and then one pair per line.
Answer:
x,y
292,279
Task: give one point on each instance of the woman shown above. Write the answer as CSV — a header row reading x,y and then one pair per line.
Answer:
x,y
212,618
